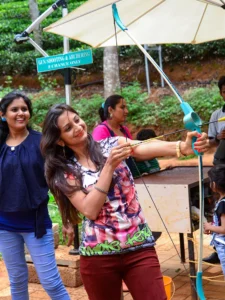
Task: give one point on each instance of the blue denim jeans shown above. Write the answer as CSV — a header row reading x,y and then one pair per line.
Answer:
x,y
43,256
220,248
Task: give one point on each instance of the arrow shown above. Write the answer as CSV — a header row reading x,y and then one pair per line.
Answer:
x,y
177,131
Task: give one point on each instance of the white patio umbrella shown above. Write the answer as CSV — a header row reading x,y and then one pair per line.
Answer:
x,y
150,21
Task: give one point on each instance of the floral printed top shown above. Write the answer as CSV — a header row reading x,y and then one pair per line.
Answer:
x,y
120,226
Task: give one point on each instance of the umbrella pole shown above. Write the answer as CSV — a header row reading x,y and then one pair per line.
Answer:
x,y
67,71
147,72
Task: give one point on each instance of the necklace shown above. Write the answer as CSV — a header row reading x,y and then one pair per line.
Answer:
x,y
13,148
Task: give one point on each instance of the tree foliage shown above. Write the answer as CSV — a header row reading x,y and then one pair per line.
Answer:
x,y
14,19
163,116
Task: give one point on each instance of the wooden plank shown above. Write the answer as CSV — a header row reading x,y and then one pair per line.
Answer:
x,y
172,202
176,176
63,258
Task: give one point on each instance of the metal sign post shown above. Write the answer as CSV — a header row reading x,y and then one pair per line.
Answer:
x,y
24,37
159,49
67,71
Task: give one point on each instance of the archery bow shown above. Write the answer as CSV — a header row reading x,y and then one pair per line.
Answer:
x,y
192,122
174,132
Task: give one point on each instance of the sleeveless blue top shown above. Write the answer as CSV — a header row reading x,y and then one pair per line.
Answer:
x,y
218,211
23,188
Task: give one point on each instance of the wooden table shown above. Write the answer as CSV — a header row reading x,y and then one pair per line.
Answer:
x,y
171,191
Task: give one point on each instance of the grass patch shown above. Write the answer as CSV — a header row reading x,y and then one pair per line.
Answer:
x,y
188,157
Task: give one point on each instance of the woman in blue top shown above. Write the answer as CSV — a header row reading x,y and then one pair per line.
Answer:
x,y
24,217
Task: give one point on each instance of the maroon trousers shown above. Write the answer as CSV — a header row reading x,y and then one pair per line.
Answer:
x,y
102,275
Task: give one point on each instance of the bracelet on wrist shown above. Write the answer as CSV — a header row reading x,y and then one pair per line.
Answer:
x,y
178,150
100,190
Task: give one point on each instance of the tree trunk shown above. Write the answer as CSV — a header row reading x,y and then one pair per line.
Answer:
x,y
34,14
111,71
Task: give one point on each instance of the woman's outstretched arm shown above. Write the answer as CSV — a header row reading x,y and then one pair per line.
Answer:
x,y
156,148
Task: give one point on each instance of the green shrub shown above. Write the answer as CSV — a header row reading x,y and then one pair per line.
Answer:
x,y
17,63
188,157
204,100
41,104
56,218
88,109
189,52
142,113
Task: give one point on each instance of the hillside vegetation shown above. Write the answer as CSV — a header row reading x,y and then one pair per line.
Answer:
x,y
20,59
164,116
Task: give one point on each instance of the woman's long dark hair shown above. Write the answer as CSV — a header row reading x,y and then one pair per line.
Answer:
x,y
111,101
4,103
59,161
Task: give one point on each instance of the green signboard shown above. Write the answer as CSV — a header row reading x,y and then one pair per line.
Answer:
x,y
62,61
